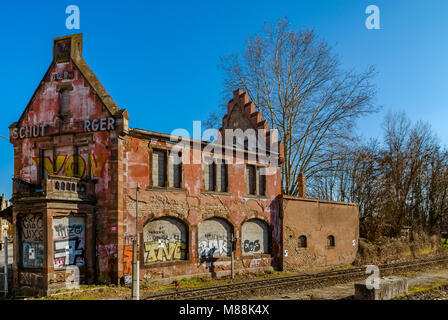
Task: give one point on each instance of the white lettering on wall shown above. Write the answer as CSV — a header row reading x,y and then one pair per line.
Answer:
x,y
103,124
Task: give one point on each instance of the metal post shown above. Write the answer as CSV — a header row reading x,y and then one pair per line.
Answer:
x,y
135,262
6,266
233,257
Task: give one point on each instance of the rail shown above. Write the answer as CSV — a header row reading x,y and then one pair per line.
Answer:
x,y
303,279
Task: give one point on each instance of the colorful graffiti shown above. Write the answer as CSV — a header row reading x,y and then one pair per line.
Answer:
x,y
89,165
32,236
165,240
127,259
33,254
69,241
161,250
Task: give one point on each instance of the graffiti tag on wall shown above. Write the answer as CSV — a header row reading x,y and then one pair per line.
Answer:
x,y
161,250
251,246
69,241
127,259
32,235
32,228
89,165
254,237
214,245
165,240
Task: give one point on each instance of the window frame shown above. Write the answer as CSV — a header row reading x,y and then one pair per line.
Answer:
x,y
303,241
331,241
216,167
168,163
256,178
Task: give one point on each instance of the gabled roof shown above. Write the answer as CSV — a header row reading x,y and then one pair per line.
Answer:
x,y
75,55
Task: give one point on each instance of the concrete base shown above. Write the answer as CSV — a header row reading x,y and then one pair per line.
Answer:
x,y
388,288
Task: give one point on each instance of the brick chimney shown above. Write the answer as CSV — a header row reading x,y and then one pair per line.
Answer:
x,y
302,185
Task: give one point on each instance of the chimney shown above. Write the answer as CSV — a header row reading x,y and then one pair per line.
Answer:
x,y
302,185
66,48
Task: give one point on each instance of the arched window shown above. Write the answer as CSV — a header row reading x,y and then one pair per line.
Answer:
x,y
255,237
214,238
330,241
165,239
302,242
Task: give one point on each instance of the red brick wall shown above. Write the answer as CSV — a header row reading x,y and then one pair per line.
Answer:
x,y
192,205
318,219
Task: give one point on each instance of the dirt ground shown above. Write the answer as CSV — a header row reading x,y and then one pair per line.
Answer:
x,y
421,281
420,285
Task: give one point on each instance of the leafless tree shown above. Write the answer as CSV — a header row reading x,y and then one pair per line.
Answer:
x,y
298,85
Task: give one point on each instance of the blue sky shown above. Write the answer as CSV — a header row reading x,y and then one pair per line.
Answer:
x,y
159,60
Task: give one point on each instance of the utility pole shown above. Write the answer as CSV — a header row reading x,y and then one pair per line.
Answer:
x,y
135,262
6,266
233,240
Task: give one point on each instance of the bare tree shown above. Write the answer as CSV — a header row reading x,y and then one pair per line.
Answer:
x,y
299,87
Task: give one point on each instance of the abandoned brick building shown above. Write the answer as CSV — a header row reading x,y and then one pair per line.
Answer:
x,y
77,166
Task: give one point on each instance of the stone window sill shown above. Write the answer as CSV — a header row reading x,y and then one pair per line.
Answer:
x,y
253,196
165,189
217,193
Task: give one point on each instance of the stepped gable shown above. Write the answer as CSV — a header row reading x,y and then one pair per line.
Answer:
x,y
241,114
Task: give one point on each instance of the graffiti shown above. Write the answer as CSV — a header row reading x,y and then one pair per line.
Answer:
x,y
106,254
255,237
72,281
32,254
68,230
30,279
165,240
251,246
127,259
161,250
214,247
254,263
32,228
32,236
89,165
69,241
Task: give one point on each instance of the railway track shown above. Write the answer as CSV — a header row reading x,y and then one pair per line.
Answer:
x,y
302,280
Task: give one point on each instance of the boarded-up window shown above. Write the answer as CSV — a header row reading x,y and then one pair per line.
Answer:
x,y
158,168
255,180
215,175
255,237
46,165
250,179
209,174
222,177
261,181
69,241
165,239
175,170
166,173
63,101
32,240
214,238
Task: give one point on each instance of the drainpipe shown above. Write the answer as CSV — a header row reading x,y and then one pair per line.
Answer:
x,y
135,262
